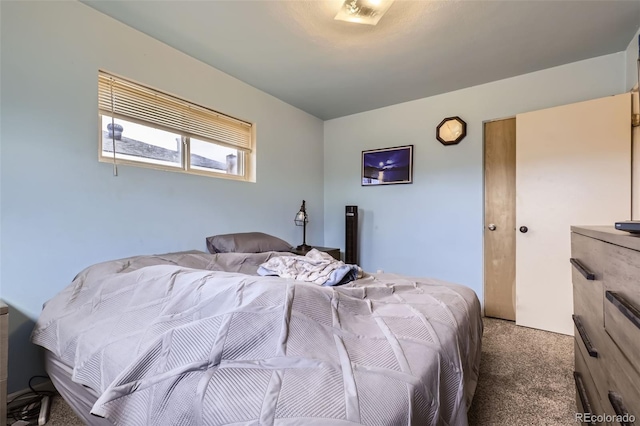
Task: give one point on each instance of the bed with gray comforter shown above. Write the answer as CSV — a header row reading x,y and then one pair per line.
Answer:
x,y
198,339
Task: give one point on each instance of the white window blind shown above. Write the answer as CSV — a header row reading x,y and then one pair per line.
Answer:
x,y
124,99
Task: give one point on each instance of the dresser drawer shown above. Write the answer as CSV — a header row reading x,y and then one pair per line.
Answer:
x,y
612,416
622,269
622,379
609,370
587,271
622,300
590,344
587,398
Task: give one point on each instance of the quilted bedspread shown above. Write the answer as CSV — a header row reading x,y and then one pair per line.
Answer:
x,y
174,340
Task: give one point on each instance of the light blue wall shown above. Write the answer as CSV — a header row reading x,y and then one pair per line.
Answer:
x,y
631,69
61,210
434,227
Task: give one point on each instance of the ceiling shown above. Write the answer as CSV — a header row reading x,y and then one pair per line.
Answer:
x,y
297,52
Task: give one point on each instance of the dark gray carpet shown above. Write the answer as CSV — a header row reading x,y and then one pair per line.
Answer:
x,y
62,415
526,378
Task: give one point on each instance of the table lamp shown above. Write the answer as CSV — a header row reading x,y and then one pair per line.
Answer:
x,y
301,220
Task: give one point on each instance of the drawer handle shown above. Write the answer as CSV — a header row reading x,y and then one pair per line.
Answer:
x,y
619,408
627,309
582,392
584,271
585,337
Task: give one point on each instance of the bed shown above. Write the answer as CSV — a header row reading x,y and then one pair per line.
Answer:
x,y
195,338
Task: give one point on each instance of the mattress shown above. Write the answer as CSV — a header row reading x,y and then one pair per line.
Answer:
x,y
79,398
193,338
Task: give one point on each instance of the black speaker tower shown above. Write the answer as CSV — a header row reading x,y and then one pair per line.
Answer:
x,y
351,235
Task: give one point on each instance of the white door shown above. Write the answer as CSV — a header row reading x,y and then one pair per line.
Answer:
x,y
573,167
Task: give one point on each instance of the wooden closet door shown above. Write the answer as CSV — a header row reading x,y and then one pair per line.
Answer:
x,y
500,219
573,167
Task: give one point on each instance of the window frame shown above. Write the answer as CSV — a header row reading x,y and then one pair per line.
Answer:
x,y
245,160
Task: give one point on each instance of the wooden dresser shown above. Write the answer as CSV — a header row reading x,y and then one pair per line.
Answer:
x,y
4,346
606,306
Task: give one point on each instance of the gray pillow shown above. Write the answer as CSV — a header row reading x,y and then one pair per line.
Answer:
x,y
246,242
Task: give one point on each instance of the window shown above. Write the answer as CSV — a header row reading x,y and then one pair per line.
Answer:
x,y
149,128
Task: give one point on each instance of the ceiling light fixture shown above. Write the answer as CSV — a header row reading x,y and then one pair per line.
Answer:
x,y
363,11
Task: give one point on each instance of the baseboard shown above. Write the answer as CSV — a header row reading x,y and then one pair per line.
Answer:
x,y
43,386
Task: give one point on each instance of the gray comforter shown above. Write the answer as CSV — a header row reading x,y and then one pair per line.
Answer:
x,y
178,339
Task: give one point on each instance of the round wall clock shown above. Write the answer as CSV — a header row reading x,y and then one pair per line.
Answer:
x,y
451,130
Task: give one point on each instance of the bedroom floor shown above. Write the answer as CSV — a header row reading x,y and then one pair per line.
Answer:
x,y
526,377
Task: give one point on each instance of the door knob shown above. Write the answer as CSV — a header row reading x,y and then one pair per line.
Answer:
x,y
492,227
524,229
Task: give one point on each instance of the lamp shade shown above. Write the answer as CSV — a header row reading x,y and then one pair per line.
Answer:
x,y
301,217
